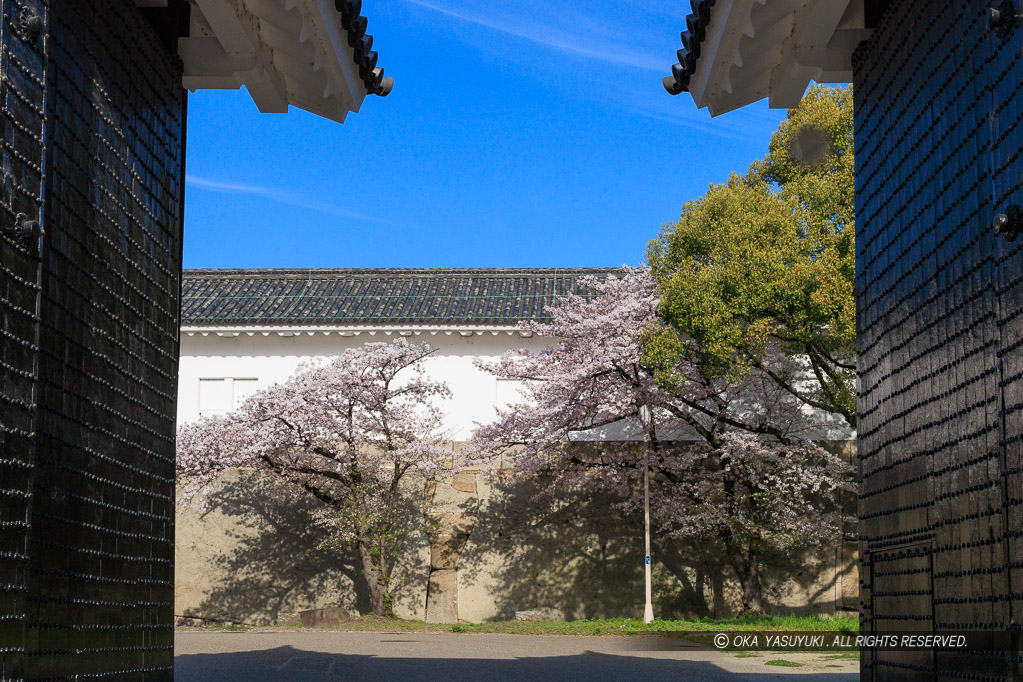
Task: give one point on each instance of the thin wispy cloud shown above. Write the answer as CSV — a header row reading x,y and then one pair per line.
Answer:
x,y
717,127
581,44
616,33
279,196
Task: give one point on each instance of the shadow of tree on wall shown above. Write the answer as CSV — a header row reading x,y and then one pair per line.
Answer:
x,y
253,560
268,565
583,558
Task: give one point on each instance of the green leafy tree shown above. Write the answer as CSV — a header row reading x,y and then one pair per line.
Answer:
x,y
758,274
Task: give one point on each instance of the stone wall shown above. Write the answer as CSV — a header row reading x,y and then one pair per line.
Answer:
x,y
246,558
488,552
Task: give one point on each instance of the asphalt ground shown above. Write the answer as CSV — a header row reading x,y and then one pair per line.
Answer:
x,y
253,656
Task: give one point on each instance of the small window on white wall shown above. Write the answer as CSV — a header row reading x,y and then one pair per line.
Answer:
x,y
214,396
220,395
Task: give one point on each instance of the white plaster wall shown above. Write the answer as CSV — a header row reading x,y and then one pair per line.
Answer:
x,y
210,584
273,358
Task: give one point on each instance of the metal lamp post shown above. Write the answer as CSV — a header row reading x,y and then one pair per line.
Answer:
x,y
646,417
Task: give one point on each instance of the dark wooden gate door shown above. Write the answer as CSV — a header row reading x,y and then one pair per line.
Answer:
x,y
22,78
93,151
940,305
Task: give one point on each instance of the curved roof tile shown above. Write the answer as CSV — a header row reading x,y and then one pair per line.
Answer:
x,y
692,37
355,25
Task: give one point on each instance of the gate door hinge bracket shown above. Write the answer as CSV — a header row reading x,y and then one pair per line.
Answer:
x,y
23,228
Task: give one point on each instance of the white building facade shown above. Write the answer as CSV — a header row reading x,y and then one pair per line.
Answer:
x,y
246,559
244,330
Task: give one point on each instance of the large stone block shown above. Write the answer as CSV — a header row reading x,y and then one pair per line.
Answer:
x,y
445,550
464,482
442,597
324,618
444,496
246,558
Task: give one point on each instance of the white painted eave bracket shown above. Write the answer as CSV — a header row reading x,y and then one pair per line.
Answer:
x,y
285,53
774,49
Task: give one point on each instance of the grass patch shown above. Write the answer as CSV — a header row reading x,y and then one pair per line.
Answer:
x,y
604,627
783,663
746,654
795,623
608,626
849,656
221,628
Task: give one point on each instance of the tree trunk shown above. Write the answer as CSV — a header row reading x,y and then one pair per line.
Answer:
x,y
745,561
373,579
752,592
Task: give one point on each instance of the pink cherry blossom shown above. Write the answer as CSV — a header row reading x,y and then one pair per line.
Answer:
x,y
730,462
349,431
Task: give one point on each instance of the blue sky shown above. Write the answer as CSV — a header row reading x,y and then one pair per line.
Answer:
x,y
532,133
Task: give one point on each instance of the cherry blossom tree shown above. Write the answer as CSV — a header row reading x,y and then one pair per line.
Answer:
x,y
349,431
725,460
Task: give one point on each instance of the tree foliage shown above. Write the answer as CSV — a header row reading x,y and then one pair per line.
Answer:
x,y
766,262
347,431
744,480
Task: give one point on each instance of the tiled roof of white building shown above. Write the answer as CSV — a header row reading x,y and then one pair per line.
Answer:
x,y
488,296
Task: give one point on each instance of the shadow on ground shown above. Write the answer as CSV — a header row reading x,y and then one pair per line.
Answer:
x,y
289,663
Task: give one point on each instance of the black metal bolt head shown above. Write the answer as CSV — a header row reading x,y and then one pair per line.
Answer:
x,y
1005,18
1001,223
1008,225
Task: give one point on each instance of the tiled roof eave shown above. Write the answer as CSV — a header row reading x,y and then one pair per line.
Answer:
x,y
346,299
356,331
692,45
